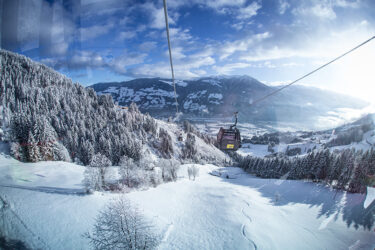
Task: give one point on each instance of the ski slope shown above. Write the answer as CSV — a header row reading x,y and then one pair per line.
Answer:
x,y
44,205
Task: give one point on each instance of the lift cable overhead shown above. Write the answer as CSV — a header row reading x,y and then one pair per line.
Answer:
x,y
312,72
230,139
170,52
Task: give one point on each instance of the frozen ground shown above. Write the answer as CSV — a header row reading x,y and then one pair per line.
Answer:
x,y
44,204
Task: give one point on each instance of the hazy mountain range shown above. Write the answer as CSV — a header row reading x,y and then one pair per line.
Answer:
x,y
220,96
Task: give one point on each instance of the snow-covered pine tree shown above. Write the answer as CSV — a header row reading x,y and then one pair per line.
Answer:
x,y
357,183
348,161
190,148
33,149
166,146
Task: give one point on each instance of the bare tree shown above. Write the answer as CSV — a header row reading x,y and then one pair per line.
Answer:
x,y
193,171
96,174
127,170
120,225
169,168
173,168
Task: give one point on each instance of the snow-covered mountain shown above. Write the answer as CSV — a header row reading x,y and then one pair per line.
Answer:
x,y
222,95
44,116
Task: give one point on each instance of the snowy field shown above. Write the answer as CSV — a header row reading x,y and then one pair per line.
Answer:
x,y
227,209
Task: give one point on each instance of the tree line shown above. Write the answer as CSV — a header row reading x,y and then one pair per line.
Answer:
x,y
350,169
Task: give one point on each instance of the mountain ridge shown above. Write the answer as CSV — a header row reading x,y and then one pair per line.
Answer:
x,y
220,96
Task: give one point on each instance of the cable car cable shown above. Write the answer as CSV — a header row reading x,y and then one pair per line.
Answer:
x,y
230,139
170,52
312,72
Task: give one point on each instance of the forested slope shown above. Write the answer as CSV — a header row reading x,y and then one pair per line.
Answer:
x,y
45,116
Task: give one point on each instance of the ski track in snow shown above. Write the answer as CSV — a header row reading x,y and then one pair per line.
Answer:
x,y
244,214
243,226
167,232
246,237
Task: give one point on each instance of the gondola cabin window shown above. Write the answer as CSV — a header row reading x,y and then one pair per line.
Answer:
x,y
229,136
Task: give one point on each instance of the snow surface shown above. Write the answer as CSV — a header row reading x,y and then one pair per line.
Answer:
x,y
370,197
178,82
257,150
195,106
156,98
43,205
212,82
215,96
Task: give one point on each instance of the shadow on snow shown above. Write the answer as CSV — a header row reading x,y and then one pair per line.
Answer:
x,y
331,202
51,190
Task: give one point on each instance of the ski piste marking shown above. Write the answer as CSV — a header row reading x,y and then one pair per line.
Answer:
x,y
243,226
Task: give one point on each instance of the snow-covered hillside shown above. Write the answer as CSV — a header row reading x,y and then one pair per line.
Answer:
x,y
44,116
220,96
359,134
44,205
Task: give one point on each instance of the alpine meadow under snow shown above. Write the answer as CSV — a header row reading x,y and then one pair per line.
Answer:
x,y
80,172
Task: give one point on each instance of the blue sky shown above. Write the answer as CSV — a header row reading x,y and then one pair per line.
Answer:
x,y
275,41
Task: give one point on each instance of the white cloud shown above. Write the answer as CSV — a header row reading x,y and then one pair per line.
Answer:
x,y
160,70
364,23
185,66
178,34
207,51
283,6
323,10
200,72
158,19
120,64
229,48
291,64
79,60
177,53
147,46
249,11
92,9
238,26
195,63
92,60
156,15
222,3
86,59
217,5
94,31
347,4
228,68
124,35
261,54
